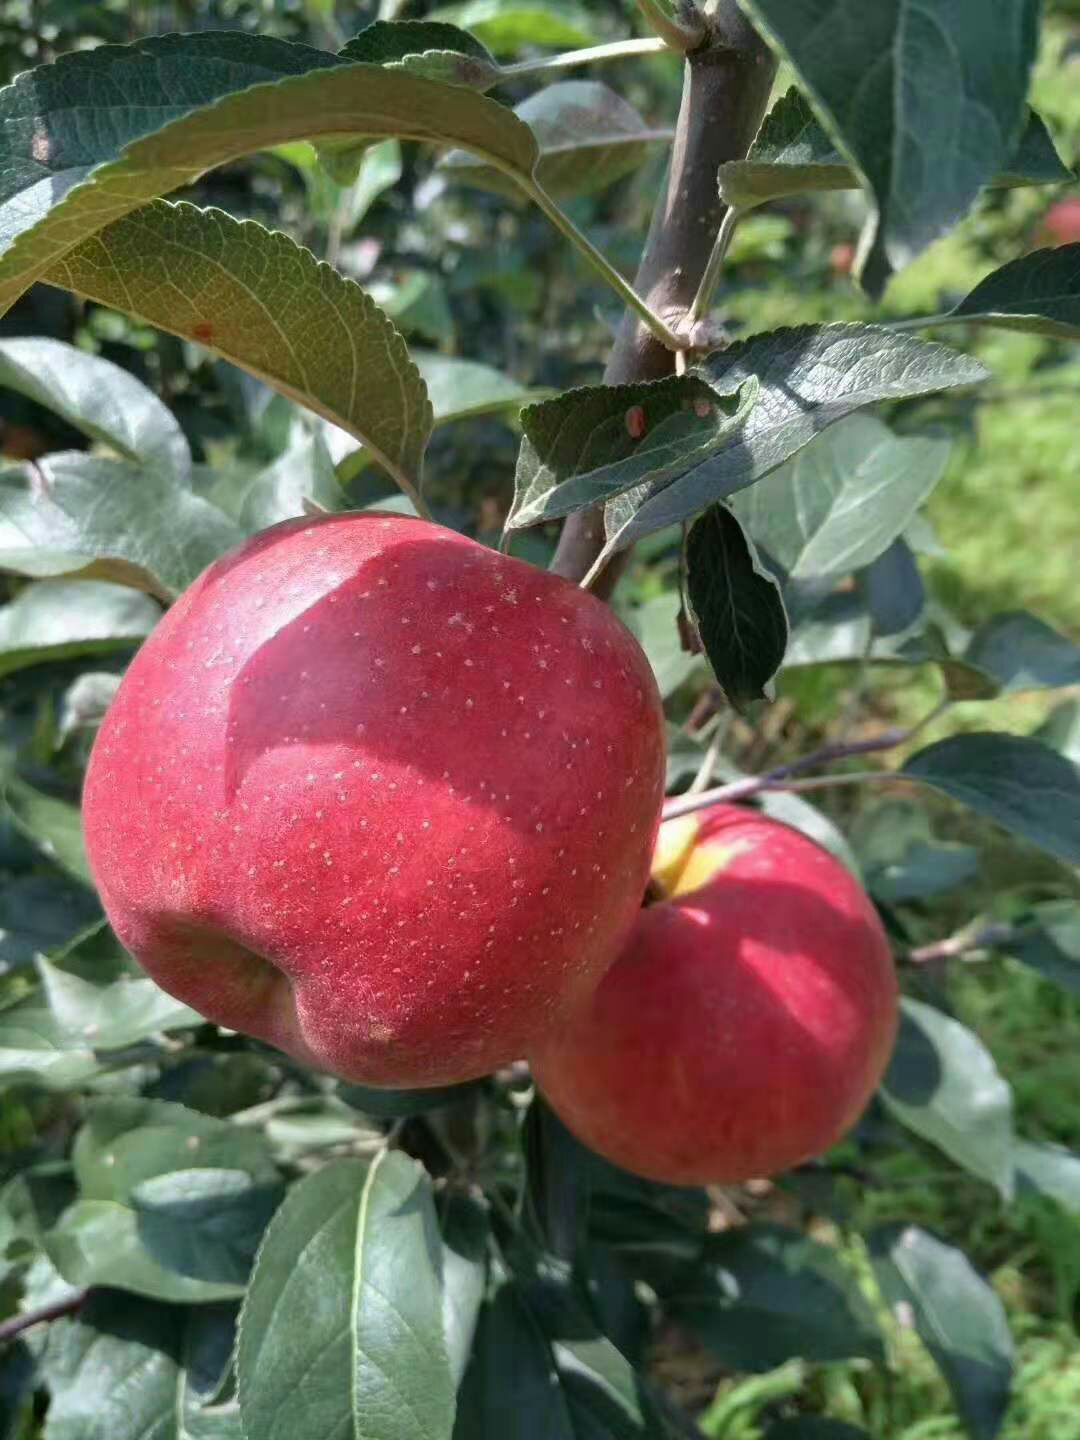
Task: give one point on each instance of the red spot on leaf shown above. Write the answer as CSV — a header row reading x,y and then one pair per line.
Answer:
x,y
635,422
203,332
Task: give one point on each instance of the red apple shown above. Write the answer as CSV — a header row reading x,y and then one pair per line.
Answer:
x,y
748,1019
1061,223
842,259
379,796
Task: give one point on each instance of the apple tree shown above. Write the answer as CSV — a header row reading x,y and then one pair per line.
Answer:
x,y
371,813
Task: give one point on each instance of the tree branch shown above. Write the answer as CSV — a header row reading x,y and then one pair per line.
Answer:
x,y
726,87
59,1308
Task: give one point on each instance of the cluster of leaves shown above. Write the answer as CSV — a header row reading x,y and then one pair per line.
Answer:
x,y
260,1249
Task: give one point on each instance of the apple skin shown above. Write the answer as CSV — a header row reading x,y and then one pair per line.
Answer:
x,y
1061,223
748,1019
379,796
842,259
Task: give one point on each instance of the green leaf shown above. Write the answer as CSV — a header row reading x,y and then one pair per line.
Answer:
x,y
765,1294
111,1015
425,47
927,104
1061,730
793,155
102,1239
39,913
839,504
205,1224
35,1051
588,445
1051,1171
933,1288
902,859
1039,293
400,1104
507,25
656,625
1024,786
52,825
268,305
893,590
194,113
99,398
942,1084
417,302
589,137
736,605
1050,943
61,619
109,520
1024,653
350,1341
304,474
466,1234
809,378
131,1369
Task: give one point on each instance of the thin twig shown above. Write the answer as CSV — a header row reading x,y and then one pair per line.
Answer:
x,y
706,290
964,942
9,1329
927,322
591,54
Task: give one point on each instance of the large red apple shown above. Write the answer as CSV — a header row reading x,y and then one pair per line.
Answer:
x,y
748,1019
379,796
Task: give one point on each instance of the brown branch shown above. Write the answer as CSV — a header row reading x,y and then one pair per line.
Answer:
x,y
965,942
726,88
9,1329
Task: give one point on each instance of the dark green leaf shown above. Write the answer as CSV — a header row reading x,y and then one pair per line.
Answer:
x,y
557,1181
1051,1171
589,137
932,1287
99,398
736,604
466,1236
893,590
1050,943
39,913
793,155
62,619
264,302
942,1084
765,1294
60,132
398,1104
1039,293
419,41
929,105
586,446
205,1224
109,520
809,378
815,1427
1024,786
350,1341
18,1377
1061,730
1024,653
841,502
902,859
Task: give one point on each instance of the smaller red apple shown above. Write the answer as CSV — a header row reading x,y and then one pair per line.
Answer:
x,y
1061,223
842,259
749,1017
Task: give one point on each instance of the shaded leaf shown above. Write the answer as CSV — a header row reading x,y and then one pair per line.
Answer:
x,y
304,474
434,48
39,913
1050,1171
933,1287
809,378
205,1224
350,1342
35,1051
1061,730
814,1427
1039,293
466,1235
841,502
1017,782
765,1294
893,590
109,520
265,303
398,1104
589,137
736,604
111,1015
656,625
928,104
794,155
97,171
99,398
901,857
588,445
1022,652
942,1084
1050,943
50,824
61,619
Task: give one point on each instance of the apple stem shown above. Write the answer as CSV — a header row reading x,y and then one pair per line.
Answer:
x,y
570,59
